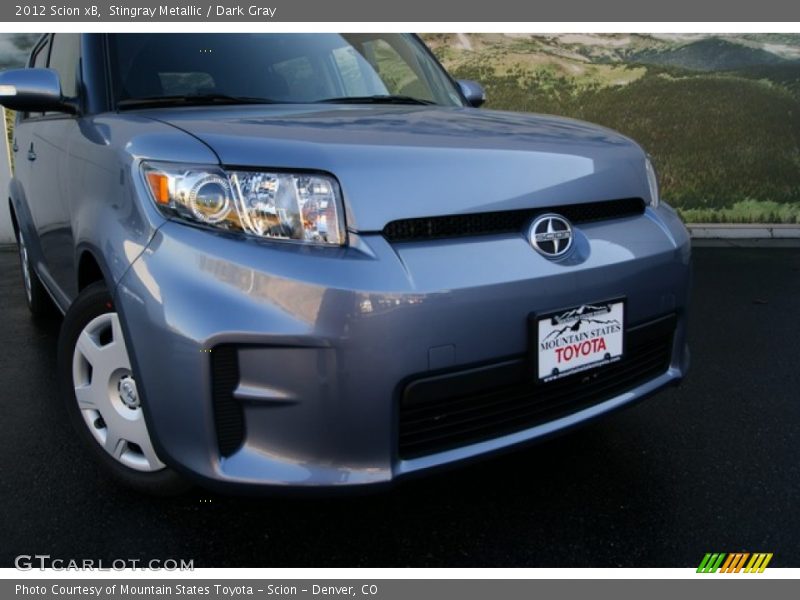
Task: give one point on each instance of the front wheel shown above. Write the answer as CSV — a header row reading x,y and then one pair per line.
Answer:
x,y
102,398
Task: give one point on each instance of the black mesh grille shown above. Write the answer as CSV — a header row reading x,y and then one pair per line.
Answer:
x,y
442,413
509,221
228,415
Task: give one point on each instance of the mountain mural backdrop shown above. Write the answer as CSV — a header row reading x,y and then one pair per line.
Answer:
x,y
719,114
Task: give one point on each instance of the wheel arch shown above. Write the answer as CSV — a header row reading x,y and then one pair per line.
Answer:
x,y
91,267
88,270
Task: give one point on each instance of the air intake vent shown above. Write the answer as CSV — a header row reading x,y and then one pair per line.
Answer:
x,y
445,412
228,415
509,221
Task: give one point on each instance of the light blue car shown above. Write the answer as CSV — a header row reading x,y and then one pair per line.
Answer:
x,y
311,261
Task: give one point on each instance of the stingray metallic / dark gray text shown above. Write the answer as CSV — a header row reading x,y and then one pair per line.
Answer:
x,y
204,11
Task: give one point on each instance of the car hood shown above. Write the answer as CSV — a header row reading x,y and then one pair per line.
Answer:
x,y
396,162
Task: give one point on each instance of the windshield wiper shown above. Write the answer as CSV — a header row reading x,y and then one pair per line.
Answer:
x,y
377,99
192,99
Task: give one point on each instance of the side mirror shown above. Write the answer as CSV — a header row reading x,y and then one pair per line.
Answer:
x,y
32,90
473,92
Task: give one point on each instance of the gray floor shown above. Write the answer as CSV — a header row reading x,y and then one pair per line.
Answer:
x,y
712,466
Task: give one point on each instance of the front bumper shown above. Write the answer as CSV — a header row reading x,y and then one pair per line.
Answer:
x,y
315,346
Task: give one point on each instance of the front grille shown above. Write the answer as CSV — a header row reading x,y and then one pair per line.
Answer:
x,y
228,414
447,411
508,221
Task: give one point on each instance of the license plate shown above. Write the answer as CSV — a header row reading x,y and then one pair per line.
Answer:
x,y
579,339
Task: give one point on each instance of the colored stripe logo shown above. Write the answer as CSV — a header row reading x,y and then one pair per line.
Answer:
x,y
736,562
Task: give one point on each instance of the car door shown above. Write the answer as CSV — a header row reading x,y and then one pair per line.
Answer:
x,y
49,158
20,146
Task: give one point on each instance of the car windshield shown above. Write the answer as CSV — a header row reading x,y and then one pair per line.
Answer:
x,y
283,68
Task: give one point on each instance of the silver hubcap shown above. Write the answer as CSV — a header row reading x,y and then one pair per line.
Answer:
x,y
107,396
26,273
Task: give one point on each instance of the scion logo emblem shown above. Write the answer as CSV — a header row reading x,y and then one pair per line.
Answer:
x,y
551,235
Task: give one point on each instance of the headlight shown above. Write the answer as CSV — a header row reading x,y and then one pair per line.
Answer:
x,y
265,204
652,182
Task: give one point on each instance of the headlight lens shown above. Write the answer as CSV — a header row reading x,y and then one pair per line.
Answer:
x,y
265,204
652,182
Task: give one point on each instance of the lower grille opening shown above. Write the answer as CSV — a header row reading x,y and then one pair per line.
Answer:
x,y
445,412
228,414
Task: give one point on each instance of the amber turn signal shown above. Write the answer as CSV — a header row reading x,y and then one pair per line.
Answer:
x,y
159,186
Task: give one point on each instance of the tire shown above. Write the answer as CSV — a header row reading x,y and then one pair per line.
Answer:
x,y
39,302
101,399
